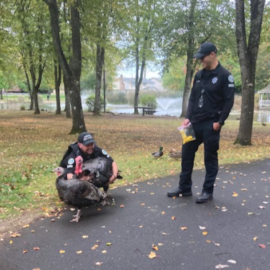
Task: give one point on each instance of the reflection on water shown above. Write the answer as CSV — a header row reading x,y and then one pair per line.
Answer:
x,y
165,106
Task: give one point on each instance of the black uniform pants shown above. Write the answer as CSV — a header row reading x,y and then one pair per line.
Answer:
x,y
205,134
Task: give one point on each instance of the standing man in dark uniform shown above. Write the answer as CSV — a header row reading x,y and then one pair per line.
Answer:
x,y
86,148
210,103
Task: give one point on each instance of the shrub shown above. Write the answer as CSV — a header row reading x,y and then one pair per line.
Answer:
x,y
22,108
90,102
148,100
117,97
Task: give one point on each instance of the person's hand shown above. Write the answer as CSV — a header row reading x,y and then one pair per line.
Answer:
x,y
112,179
216,126
186,122
69,176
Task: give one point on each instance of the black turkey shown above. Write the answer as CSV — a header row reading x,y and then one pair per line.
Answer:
x,y
99,171
79,193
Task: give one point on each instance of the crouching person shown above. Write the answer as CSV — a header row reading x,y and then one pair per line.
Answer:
x,y
86,148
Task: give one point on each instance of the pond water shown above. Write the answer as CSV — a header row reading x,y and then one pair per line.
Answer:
x,y
165,106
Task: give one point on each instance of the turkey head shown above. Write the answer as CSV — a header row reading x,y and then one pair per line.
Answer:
x,y
79,163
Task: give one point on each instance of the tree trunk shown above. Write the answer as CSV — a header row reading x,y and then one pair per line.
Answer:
x,y
35,95
28,87
99,65
72,71
104,88
31,107
57,83
247,58
67,98
139,72
190,52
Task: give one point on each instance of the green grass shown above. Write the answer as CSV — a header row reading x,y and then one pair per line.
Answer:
x,y
32,145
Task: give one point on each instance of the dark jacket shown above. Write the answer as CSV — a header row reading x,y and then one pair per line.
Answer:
x,y
74,151
218,95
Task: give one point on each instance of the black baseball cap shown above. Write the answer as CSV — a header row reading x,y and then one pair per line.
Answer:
x,y
86,138
205,49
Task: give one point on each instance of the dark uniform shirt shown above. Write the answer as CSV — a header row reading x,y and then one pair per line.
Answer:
x,y
214,89
74,151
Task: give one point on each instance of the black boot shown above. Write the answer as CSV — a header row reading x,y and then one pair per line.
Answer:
x,y
106,188
176,192
204,197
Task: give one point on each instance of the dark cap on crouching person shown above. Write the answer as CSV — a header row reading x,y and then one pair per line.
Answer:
x,y
86,138
205,49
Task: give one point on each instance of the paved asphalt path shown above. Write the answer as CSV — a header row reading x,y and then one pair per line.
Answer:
x,y
236,224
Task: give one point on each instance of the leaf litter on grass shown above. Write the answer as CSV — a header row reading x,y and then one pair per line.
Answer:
x,y
44,138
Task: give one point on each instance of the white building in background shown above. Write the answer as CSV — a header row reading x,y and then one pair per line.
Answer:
x,y
264,100
128,84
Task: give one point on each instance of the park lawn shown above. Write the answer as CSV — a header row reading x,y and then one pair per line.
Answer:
x,y
25,98
31,146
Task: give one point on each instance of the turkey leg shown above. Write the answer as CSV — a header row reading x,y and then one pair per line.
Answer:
x,y
77,216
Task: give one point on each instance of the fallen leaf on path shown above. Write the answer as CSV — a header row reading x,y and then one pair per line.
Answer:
x,y
235,194
163,213
244,189
13,235
10,241
264,225
108,244
94,247
79,252
36,248
142,204
204,233
104,251
98,263
154,247
160,244
255,238
62,251
122,206
26,226
25,251
221,266
202,228
231,261
262,246
262,207
152,255
250,214
216,244
183,228
85,236
173,217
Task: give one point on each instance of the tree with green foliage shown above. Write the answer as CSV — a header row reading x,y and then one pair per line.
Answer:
x,y
72,71
190,23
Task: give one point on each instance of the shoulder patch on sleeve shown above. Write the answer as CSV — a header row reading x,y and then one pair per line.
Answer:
x,y
231,79
104,152
231,84
71,161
